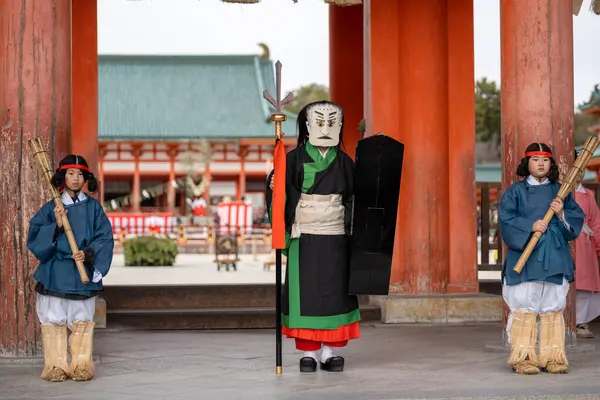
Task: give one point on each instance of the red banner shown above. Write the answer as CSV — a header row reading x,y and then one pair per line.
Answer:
x,y
278,204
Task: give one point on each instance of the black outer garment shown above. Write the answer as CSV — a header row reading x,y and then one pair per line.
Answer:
x,y
324,259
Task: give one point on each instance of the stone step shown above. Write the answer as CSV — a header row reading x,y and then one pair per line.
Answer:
x,y
149,297
145,297
207,318
490,286
243,306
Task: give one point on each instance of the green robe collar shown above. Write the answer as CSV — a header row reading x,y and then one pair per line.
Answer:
x,y
321,162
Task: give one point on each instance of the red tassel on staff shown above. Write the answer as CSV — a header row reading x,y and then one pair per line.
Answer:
x,y
278,204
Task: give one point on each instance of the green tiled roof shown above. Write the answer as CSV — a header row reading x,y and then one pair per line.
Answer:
x,y
185,97
488,173
493,173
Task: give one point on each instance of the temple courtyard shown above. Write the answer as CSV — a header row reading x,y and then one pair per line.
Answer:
x,y
200,269
388,362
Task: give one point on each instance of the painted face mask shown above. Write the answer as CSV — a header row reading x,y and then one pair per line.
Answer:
x,y
324,123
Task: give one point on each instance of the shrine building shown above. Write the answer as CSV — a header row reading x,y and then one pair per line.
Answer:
x,y
162,117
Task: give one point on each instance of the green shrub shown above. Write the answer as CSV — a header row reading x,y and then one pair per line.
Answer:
x,y
149,251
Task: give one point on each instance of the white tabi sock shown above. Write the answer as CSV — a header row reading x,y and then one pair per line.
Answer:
x,y
326,353
310,354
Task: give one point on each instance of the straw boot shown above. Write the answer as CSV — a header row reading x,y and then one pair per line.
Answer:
x,y
557,362
523,337
546,323
82,366
56,366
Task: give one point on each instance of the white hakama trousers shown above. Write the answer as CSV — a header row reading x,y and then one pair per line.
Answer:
x,y
536,314
588,306
55,315
59,311
538,297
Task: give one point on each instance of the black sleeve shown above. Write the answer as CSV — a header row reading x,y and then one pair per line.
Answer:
x,y
89,256
292,196
294,178
292,185
269,193
348,198
57,233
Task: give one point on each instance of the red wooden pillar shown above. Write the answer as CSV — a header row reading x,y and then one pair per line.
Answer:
x,y
462,234
136,187
384,67
241,186
171,189
409,65
84,81
35,55
242,179
101,154
537,87
346,69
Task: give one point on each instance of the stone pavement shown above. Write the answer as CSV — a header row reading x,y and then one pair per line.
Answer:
x,y
388,362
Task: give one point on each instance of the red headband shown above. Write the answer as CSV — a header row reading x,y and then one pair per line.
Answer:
x,y
538,153
77,166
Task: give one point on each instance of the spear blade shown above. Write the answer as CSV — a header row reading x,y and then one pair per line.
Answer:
x,y
277,102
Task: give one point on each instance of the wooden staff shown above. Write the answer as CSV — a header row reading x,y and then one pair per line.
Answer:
x,y
566,187
41,160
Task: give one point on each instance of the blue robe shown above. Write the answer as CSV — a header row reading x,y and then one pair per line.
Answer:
x,y
520,206
92,229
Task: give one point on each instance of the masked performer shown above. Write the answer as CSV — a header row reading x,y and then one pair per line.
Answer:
x,y
317,310
587,271
62,299
542,286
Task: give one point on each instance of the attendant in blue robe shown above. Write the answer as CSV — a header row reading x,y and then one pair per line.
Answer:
x,y
542,286
63,300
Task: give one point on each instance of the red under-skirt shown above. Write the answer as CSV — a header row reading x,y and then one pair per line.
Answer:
x,y
346,332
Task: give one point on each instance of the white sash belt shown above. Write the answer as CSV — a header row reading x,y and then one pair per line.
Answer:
x,y
319,214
